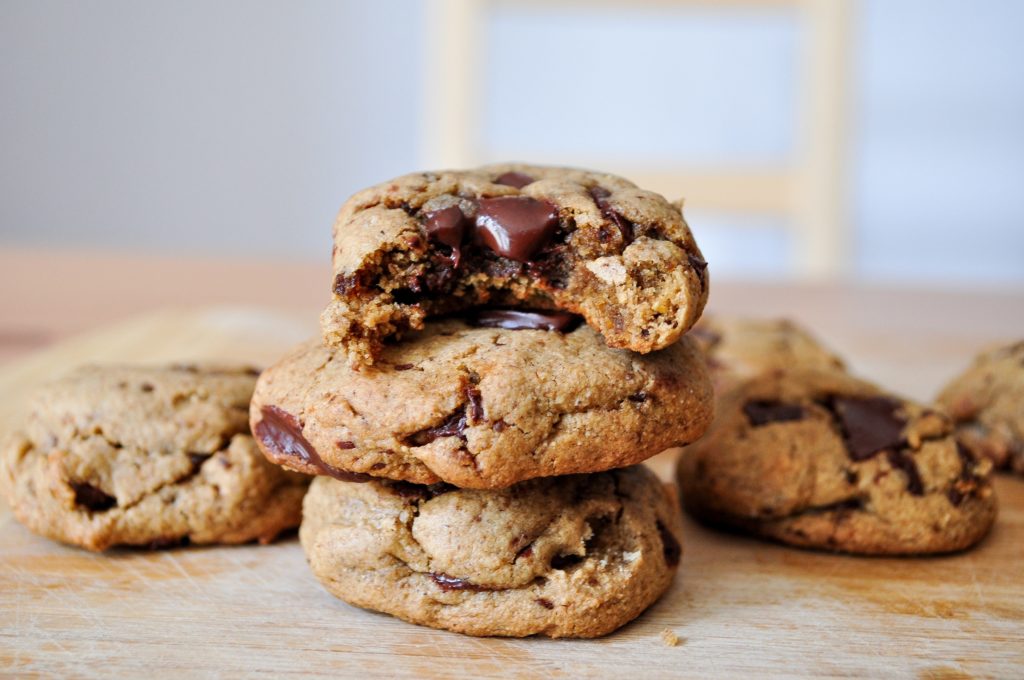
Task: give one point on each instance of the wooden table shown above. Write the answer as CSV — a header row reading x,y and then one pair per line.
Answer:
x,y
740,607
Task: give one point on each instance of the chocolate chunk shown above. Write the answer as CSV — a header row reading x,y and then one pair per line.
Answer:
x,y
92,498
638,398
625,227
700,266
515,320
447,226
900,459
515,179
475,405
445,582
342,444
669,545
419,492
281,433
403,367
515,227
351,284
146,387
544,602
869,424
764,412
454,426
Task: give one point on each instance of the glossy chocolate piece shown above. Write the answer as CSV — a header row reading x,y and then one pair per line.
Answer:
x,y
869,424
514,179
447,226
515,320
515,227
280,432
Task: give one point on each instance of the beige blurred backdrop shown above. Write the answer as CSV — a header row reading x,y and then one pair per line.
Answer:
x,y
876,140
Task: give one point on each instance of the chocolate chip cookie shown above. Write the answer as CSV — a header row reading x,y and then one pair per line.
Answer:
x,y
821,459
483,402
433,243
987,406
739,348
147,457
575,556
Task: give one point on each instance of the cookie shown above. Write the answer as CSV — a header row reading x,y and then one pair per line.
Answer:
x,y
740,348
575,556
147,457
524,236
820,459
987,405
480,406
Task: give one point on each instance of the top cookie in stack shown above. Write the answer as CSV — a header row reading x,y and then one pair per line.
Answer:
x,y
505,383
434,243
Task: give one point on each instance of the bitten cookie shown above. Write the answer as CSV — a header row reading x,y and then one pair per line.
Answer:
x,y
739,348
820,459
987,406
147,457
575,556
513,235
479,406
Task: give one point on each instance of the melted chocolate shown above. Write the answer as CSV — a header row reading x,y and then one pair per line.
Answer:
x,y
625,227
445,582
765,412
447,226
281,433
869,424
515,320
514,179
900,459
91,498
515,227
455,426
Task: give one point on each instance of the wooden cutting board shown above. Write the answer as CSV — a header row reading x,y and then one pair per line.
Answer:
x,y
740,607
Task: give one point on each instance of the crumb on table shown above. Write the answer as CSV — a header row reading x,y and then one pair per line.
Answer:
x,y
669,637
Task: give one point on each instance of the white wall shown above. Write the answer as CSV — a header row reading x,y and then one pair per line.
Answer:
x,y
239,127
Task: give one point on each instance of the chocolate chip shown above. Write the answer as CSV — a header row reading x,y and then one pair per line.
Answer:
x,y
955,495
625,227
869,424
447,226
544,602
91,498
900,459
763,412
515,179
669,545
515,227
475,405
281,434
403,367
418,492
146,387
515,320
639,397
454,426
448,583
351,284
342,444
700,266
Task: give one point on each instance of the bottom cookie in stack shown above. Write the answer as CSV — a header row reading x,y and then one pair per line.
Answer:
x,y
573,556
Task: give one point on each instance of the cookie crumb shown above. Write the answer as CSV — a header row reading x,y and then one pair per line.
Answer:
x,y
669,637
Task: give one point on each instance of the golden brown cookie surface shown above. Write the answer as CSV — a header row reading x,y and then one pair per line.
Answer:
x,y
575,556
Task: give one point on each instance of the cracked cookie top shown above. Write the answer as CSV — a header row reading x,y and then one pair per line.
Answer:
x,y
986,403
118,455
516,235
574,556
480,403
822,459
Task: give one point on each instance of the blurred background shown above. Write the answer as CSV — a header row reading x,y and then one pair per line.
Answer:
x,y
864,140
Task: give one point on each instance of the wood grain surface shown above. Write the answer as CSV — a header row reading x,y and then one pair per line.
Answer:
x,y
740,607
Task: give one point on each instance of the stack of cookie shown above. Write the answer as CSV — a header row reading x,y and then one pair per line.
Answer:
x,y
503,347
804,453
